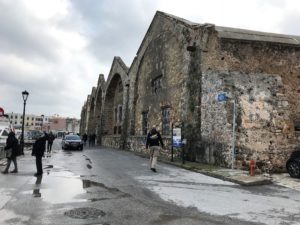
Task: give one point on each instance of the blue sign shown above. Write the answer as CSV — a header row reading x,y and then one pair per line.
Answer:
x,y
222,97
177,143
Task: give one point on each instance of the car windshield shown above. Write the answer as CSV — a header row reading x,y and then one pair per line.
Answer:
x,y
72,137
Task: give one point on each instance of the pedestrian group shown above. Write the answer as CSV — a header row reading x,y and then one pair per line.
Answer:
x,y
153,142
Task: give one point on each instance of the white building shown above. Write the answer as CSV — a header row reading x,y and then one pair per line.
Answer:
x,y
31,121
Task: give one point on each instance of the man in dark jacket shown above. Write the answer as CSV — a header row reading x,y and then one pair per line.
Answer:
x,y
51,138
38,151
153,141
13,146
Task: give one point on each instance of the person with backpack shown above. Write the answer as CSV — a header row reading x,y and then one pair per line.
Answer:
x,y
154,141
12,151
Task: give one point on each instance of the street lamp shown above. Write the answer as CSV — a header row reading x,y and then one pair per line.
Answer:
x,y
42,122
25,96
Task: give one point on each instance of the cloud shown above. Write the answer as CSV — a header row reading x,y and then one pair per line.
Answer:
x,y
56,49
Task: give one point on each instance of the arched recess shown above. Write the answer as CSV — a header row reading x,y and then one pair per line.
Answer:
x,y
99,104
91,119
113,106
98,107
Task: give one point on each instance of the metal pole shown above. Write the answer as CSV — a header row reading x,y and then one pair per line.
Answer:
x,y
183,146
233,133
22,135
172,149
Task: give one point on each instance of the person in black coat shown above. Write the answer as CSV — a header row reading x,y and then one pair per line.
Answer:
x,y
12,143
153,141
38,151
51,138
84,138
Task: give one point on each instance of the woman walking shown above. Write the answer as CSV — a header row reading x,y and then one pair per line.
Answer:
x,y
13,146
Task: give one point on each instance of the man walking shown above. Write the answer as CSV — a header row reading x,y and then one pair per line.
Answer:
x,y
153,141
12,146
51,138
38,151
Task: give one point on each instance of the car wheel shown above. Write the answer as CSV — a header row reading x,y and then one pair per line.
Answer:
x,y
293,169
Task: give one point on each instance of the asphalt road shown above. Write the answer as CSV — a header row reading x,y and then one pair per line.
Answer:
x,y
112,187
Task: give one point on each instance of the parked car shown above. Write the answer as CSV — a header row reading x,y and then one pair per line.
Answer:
x,y
72,142
293,164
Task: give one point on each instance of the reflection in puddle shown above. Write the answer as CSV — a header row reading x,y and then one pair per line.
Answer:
x,y
65,187
59,187
36,190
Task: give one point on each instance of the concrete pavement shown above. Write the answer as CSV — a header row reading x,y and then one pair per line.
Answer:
x,y
240,177
233,175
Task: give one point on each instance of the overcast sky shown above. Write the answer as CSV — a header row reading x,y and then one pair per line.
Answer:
x,y
55,49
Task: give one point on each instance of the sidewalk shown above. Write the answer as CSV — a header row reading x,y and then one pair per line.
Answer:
x,y
233,175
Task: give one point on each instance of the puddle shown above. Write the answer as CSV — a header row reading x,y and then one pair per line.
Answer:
x,y
58,187
9,217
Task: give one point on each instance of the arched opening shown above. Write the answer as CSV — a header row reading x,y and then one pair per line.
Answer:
x,y
92,125
113,109
98,107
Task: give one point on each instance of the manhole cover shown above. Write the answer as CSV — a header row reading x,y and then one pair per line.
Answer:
x,y
85,213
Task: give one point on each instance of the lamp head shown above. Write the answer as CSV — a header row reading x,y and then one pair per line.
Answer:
x,y
25,95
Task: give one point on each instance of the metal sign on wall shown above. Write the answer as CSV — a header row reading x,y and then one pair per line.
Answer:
x,y
222,97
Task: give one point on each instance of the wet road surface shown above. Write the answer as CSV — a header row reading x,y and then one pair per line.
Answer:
x,y
105,186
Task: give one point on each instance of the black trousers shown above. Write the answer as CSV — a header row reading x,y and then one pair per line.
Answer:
x,y
49,146
39,166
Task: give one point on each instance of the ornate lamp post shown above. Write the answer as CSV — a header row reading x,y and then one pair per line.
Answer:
x,y
25,96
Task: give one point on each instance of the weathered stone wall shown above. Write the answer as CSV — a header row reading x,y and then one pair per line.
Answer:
x,y
197,62
163,52
266,84
162,58
259,126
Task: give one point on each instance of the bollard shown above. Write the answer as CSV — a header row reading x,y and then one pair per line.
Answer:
x,y
252,166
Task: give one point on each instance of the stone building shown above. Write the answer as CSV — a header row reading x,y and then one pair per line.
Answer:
x,y
181,71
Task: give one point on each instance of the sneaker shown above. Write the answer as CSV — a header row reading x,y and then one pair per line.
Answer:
x,y
4,172
14,171
153,169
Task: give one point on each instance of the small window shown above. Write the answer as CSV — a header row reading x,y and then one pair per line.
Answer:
x,y
115,129
297,126
145,122
16,117
120,114
166,121
116,115
156,84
